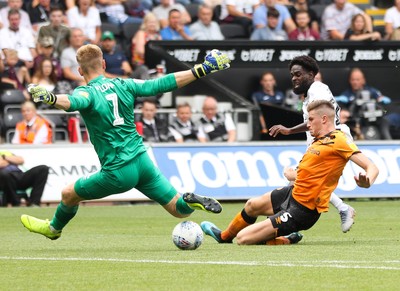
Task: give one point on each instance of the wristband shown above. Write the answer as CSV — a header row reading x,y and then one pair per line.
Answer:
x,y
198,71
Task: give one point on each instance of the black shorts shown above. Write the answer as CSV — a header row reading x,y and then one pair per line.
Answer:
x,y
290,216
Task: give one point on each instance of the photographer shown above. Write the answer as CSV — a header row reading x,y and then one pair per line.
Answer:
x,y
363,101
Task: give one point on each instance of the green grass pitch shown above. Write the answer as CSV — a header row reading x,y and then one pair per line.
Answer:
x,y
130,248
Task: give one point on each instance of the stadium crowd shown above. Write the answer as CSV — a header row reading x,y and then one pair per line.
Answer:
x,y
39,40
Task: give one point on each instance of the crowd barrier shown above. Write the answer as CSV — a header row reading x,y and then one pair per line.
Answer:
x,y
227,172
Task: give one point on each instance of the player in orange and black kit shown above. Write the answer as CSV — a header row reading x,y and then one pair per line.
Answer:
x,y
299,206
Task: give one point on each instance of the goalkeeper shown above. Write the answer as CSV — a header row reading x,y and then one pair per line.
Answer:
x,y
106,105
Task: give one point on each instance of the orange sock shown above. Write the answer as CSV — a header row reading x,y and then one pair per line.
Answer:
x,y
236,225
280,240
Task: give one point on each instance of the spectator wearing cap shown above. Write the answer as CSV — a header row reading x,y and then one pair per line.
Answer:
x,y
86,16
69,64
117,64
56,30
46,50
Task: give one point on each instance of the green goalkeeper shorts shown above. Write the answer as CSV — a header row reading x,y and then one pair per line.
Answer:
x,y
140,173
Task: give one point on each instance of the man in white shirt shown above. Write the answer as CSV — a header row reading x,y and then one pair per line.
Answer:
x,y
15,4
18,38
213,126
336,19
204,28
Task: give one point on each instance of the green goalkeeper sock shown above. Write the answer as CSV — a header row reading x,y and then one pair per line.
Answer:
x,y
182,207
63,215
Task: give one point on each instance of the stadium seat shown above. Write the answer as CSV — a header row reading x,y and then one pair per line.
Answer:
x,y
319,10
128,31
192,9
11,118
11,96
58,123
233,31
114,28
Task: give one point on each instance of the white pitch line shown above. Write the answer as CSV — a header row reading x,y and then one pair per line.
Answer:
x,y
306,264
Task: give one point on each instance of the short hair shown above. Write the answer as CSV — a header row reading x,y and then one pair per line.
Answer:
x,y
273,12
322,105
181,105
13,12
55,8
306,62
151,100
29,104
89,58
172,11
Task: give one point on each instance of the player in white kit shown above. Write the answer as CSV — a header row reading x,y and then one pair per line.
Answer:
x,y
303,69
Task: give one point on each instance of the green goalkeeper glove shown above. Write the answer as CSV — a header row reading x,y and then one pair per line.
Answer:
x,y
214,61
40,94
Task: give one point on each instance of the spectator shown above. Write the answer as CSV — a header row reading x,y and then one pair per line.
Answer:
x,y
46,50
302,5
285,20
86,17
162,12
187,2
3,84
267,94
12,178
355,129
25,22
175,29
115,12
15,73
303,30
39,13
138,8
117,64
32,129
18,38
183,128
392,20
271,31
154,128
240,12
69,64
336,19
358,30
45,75
214,126
205,28
56,30
149,30
359,93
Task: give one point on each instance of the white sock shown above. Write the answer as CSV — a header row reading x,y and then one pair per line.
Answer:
x,y
338,203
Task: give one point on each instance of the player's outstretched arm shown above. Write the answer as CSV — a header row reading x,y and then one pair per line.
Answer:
x,y
280,129
214,61
40,94
371,170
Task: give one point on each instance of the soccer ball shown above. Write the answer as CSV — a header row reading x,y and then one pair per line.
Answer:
x,y
187,235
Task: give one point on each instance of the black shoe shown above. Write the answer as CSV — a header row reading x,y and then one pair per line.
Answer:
x,y
201,202
294,237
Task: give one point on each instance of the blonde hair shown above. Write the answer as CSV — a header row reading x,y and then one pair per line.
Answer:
x,y
323,107
148,17
89,58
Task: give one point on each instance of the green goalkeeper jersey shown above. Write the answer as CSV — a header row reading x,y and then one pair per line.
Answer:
x,y
106,105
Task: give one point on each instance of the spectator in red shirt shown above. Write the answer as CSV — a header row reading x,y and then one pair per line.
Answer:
x,y
303,30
